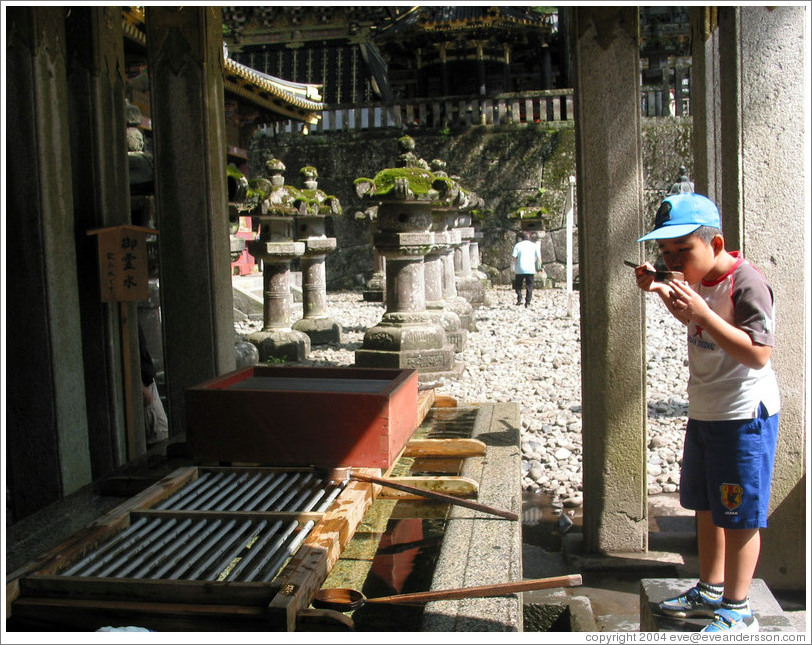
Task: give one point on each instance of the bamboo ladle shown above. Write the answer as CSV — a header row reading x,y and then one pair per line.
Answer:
x,y
341,599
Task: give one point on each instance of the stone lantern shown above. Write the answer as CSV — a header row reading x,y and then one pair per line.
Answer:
x,y
441,289
376,285
314,206
467,284
408,336
276,247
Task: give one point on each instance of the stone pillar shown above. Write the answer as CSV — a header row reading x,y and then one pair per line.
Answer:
x,y
610,190
706,110
435,301
277,249
407,336
376,285
95,44
467,284
311,230
185,56
454,301
762,156
46,417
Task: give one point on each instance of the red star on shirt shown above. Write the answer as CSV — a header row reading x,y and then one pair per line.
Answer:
x,y
698,331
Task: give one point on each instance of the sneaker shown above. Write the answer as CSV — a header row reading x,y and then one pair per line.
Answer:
x,y
733,620
694,602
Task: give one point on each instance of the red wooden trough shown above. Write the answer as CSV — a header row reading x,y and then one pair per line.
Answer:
x,y
303,416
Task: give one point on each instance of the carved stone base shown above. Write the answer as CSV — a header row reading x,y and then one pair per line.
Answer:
x,y
321,331
464,310
451,324
408,340
431,364
288,343
472,290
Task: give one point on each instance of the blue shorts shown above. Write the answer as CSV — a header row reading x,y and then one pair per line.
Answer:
x,y
727,468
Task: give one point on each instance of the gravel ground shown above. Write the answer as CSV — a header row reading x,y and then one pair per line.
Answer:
x,y
532,356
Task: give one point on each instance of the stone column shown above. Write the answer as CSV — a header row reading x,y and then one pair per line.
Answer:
x,y
46,416
95,44
407,336
276,248
763,156
185,55
311,230
454,301
316,323
467,284
706,111
610,189
376,285
435,301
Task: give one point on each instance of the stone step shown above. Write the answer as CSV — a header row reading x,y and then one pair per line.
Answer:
x,y
771,618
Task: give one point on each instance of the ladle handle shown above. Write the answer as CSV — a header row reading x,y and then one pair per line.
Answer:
x,y
484,591
508,515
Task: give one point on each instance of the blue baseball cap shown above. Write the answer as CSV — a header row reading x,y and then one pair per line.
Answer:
x,y
682,214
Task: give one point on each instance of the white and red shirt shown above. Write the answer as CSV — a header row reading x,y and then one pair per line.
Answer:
x,y
719,387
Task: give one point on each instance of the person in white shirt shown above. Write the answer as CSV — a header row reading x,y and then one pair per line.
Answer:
x,y
526,256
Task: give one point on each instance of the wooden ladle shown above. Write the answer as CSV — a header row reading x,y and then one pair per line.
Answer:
x,y
341,599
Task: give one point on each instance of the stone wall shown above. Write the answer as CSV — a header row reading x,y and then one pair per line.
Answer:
x,y
510,167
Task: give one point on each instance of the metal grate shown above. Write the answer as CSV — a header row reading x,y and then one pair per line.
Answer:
x,y
213,529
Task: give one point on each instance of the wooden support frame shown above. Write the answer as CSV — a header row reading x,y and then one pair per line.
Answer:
x,y
39,594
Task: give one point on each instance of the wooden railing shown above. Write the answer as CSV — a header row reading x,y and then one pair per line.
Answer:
x,y
544,106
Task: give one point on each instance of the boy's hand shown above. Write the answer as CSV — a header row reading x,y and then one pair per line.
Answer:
x,y
687,302
645,274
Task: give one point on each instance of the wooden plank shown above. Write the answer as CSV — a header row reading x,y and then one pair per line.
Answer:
x,y
208,592
447,485
309,567
425,401
79,614
437,465
444,448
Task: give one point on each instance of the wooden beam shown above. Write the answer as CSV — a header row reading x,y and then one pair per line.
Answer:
x,y
311,564
425,401
447,485
444,448
206,592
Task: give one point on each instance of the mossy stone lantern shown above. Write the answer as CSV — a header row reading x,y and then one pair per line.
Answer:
x,y
277,248
407,335
313,207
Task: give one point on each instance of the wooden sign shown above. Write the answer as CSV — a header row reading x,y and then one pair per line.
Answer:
x,y
123,270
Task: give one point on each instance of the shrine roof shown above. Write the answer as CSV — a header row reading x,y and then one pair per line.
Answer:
x,y
281,98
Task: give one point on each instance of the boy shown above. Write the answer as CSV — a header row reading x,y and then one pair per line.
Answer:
x,y
733,403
